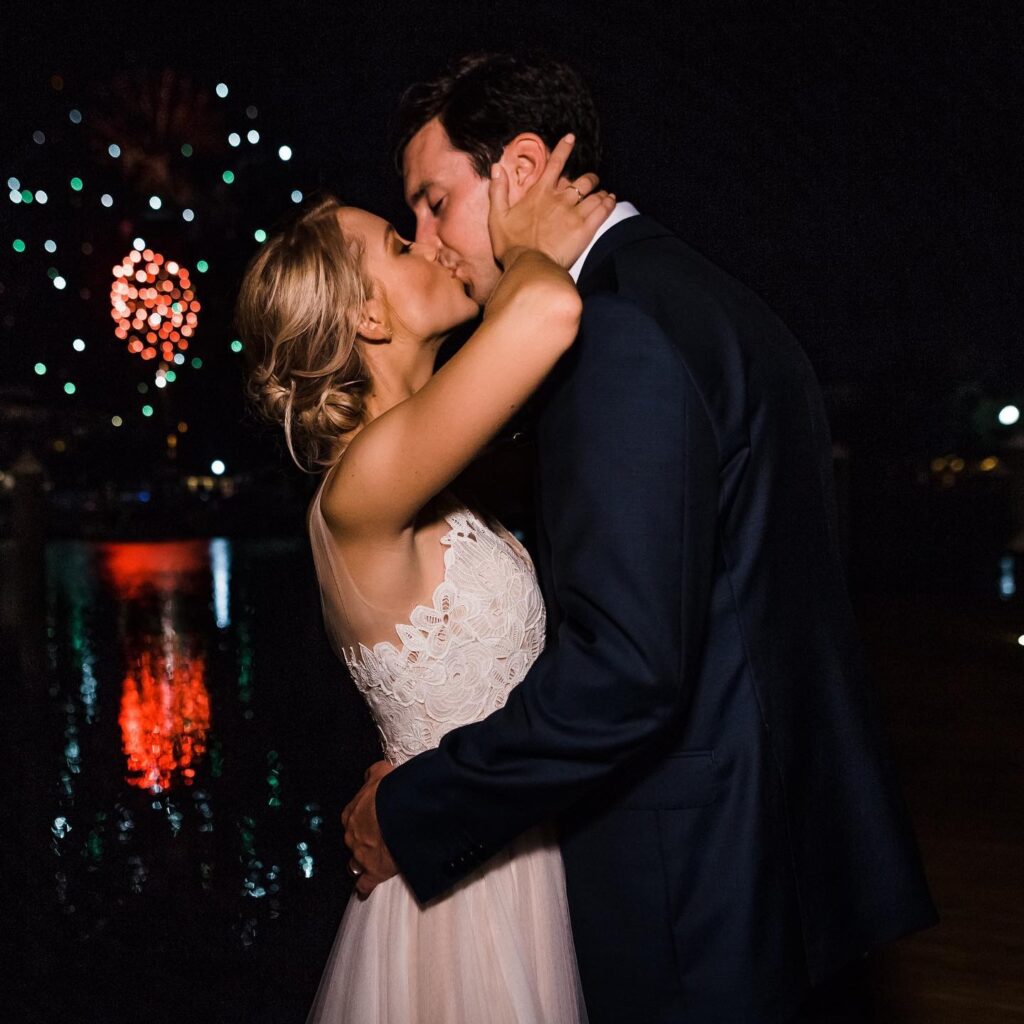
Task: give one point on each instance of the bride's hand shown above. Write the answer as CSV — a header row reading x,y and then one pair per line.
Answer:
x,y
555,216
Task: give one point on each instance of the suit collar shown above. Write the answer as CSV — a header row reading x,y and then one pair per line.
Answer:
x,y
634,229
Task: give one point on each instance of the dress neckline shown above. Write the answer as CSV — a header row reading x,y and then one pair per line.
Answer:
x,y
454,519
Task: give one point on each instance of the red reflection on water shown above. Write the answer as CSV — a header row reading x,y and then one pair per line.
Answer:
x,y
165,705
165,715
163,566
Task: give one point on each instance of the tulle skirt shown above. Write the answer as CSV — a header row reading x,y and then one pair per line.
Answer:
x,y
497,948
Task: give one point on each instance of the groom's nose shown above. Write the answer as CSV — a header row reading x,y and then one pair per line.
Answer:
x,y
426,232
446,259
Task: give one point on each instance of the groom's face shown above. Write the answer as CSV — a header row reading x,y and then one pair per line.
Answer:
x,y
450,201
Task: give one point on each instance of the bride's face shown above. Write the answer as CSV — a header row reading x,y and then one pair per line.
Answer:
x,y
424,298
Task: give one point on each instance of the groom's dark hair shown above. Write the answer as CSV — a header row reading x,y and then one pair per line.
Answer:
x,y
484,100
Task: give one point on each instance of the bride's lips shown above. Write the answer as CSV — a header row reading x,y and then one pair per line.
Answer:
x,y
465,284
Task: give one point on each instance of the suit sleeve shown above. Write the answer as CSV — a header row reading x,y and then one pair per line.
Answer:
x,y
627,485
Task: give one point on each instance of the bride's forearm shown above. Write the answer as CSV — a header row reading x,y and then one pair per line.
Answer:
x,y
533,284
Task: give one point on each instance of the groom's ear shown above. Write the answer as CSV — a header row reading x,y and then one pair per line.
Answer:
x,y
524,160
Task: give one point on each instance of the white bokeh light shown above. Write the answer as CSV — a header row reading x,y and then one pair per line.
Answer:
x,y
1008,415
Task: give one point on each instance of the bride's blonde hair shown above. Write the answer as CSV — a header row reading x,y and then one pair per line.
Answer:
x,y
298,311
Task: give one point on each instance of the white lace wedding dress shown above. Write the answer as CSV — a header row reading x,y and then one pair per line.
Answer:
x,y
497,948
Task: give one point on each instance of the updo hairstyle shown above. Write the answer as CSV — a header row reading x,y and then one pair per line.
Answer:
x,y
298,311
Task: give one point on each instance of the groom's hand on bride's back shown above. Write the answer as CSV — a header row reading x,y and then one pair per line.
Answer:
x,y
555,216
370,855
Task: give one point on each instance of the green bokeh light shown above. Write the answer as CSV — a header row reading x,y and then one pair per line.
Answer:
x,y
228,176
202,266
76,184
260,235
197,363
170,376
26,195
236,346
69,388
147,410
18,245
187,150
40,368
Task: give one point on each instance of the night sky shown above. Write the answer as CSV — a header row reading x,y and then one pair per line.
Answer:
x,y
857,164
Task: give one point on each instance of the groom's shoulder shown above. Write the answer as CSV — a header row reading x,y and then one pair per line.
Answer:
x,y
688,294
621,335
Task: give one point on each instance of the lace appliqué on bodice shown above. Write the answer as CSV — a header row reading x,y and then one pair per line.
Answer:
x,y
460,657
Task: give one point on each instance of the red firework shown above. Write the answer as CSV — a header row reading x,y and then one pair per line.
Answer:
x,y
153,305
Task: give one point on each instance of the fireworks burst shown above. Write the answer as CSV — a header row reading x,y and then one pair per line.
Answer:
x,y
153,297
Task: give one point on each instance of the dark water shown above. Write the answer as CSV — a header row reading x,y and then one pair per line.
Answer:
x,y
176,775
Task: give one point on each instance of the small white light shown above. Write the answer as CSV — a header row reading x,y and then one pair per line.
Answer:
x,y
107,199
285,152
78,345
139,244
1008,415
179,359
217,467
296,196
234,139
15,196
59,283
155,202
253,136
50,245
114,150
188,215
222,90
1020,639
75,116
38,137
117,421
161,382
13,183
41,197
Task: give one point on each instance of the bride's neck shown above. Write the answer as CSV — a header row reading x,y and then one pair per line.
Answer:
x,y
398,369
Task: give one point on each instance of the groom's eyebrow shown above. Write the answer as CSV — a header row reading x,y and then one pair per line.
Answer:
x,y
420,192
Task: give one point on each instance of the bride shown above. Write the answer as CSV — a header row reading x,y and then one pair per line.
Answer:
x,y
435,609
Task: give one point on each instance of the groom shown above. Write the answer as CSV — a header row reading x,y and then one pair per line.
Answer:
x,y
700,722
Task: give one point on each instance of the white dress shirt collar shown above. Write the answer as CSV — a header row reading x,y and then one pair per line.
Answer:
x,y
622,211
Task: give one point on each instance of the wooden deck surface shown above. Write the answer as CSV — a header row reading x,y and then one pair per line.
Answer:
x,y
953,683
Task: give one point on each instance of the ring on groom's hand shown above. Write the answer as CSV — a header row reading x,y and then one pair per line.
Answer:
x,y
578,192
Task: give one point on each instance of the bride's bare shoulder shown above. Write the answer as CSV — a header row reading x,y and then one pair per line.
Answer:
x,y
351,501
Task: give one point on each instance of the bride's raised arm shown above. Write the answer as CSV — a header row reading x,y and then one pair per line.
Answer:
x,y
399,461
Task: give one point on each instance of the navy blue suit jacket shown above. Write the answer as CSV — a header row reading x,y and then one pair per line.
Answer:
x,y
700,721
